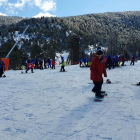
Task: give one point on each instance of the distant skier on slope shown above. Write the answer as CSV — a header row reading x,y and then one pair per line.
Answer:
x,y
132,60
53,64
30,65
62,64
97,68
2,68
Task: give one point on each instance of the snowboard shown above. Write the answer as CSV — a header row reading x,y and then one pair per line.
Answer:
x,y
63,71
96,99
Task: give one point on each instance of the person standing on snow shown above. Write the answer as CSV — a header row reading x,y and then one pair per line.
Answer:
x,y
41,64
132,60
62,64
53,64
109,62
97,68
29,66
2,68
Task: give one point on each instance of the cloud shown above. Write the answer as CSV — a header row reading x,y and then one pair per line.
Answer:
x,y
1,14
20,5
46,6
2,1
44,14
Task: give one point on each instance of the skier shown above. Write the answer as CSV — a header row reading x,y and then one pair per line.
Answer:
x,y
29,66
123,60
2,68
132,60
109,62
80,61
49,62
97,68
53,64
41,64
36,62
45,61
62,64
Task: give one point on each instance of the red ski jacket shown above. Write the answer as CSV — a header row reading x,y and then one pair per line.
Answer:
x,y
53,62
30,65
97,68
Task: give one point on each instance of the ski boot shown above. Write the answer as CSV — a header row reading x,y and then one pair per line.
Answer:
x,y
138,83
108,81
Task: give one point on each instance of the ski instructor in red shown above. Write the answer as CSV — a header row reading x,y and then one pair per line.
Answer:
x,y
97,68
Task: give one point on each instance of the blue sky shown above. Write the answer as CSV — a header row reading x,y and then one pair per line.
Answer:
x,y
64,8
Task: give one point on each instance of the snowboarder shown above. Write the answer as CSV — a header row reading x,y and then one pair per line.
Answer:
x,y
97,68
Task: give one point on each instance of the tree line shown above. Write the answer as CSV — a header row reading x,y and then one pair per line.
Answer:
x,y
48,35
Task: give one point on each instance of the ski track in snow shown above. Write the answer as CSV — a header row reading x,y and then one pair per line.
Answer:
x,y
53,105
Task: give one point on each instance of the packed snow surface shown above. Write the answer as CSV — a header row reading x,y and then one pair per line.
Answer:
x,y
53,105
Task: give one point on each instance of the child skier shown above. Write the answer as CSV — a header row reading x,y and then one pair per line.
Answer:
x,y
30,66
53,64
97,68
62,65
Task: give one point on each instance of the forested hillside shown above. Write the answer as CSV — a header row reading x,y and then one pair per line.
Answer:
x,y
54,33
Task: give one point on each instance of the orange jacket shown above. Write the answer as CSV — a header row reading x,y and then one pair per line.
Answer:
x,y
97,68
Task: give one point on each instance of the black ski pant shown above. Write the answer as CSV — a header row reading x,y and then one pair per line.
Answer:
x,y
31,70
62,68
53,66
97,87
1,72
132,62
41,67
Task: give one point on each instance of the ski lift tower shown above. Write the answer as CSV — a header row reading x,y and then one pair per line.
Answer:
x,y
16,42
6,60
75,50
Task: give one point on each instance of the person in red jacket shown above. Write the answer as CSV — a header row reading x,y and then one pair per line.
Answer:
x,y
53,64
30,65
97,68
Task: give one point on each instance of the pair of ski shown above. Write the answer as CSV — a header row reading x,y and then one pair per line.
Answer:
x,y
26,72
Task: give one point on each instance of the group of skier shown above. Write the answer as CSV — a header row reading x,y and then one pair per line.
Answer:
x,y
84,62
43,64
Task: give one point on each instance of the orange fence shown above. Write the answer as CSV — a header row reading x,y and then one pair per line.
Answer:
x,y
6,62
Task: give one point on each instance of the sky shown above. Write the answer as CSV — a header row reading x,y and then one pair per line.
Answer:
x,y
53,105
64,8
